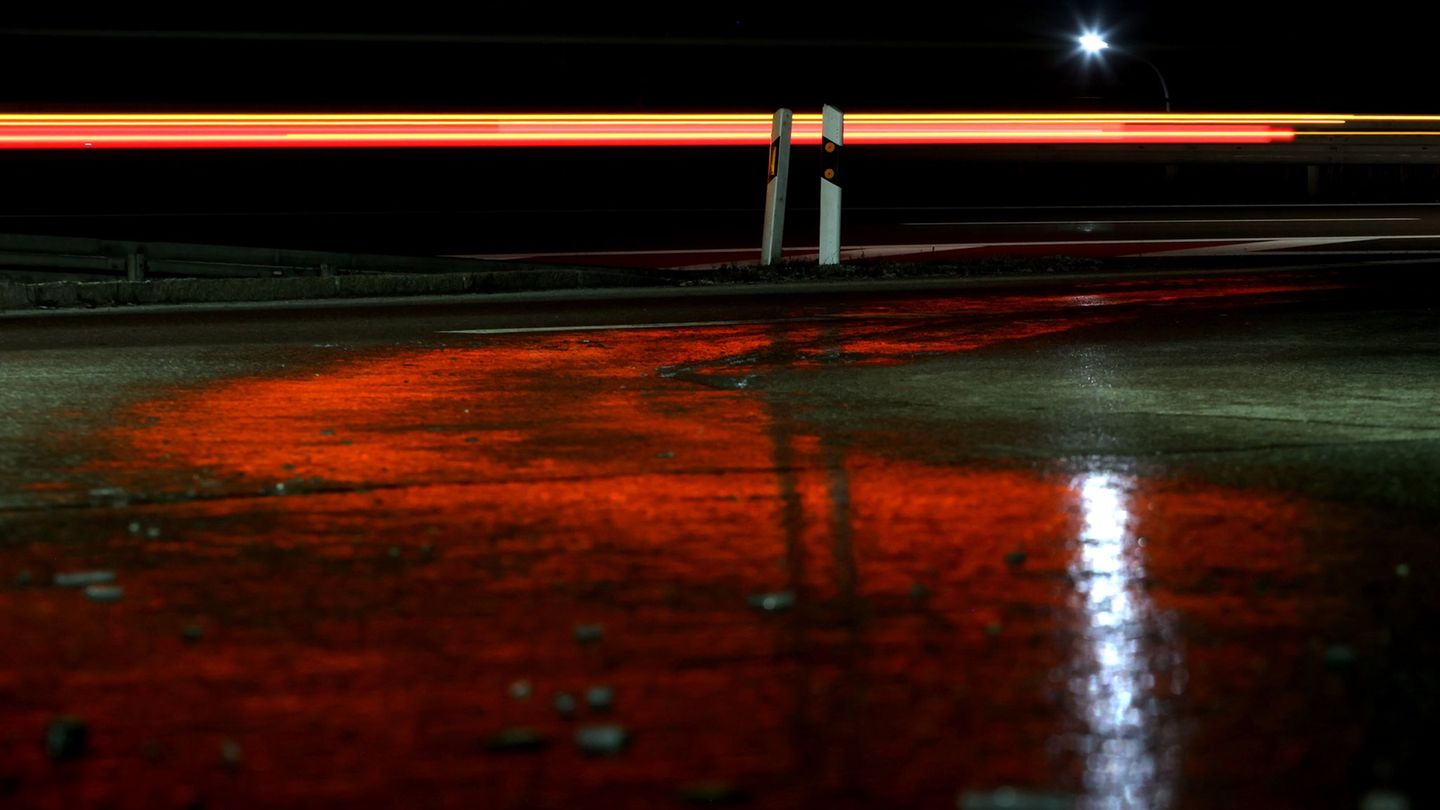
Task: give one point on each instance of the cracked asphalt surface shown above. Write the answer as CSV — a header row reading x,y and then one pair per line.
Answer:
x,y
1144,541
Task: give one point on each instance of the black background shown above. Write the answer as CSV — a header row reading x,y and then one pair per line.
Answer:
x,y
1003,56
1265,56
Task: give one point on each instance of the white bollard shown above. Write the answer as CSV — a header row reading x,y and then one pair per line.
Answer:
x,y
777,180
833,131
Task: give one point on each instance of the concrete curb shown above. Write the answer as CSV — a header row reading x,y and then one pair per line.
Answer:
x,y
94,294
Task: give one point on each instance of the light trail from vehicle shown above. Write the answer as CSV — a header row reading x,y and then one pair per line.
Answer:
x,y
332,131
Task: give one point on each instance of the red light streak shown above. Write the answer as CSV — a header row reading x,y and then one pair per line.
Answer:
x,y
259,131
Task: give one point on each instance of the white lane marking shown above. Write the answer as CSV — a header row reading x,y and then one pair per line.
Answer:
x,y
675,251
1244,244
1178,206
1417,251
865,250
621,327
1163,221
1260,246
617,327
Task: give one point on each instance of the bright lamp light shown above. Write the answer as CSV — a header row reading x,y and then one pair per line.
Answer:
x,y
1093,43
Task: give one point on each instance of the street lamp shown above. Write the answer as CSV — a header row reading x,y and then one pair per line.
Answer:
x,y
1091,44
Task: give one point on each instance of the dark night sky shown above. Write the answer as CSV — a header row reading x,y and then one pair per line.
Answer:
x,y
1002,55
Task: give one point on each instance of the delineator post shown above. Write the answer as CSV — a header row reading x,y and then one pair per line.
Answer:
x,y
776,183
833,137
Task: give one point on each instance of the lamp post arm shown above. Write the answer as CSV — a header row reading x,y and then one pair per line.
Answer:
x,y
1164,88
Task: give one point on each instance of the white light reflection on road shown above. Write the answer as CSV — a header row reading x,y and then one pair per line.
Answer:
x,y
1114,681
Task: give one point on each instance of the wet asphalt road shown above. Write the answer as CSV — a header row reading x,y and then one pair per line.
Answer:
x,y
1144,542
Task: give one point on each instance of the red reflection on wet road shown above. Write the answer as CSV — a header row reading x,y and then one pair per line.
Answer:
x,y
450,514
569,405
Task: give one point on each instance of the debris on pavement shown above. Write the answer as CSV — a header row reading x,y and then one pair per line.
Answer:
x,y
601,740
1384,800
229,753
772,601
79,579
600,698
104,593
66,738
712,792
109,496
518,740
1339,655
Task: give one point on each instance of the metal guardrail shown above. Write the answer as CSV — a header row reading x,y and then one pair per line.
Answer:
x,y
137,261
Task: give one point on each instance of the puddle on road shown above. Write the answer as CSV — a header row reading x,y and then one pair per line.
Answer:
x,y
384,548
